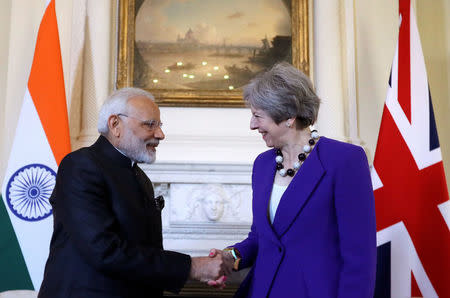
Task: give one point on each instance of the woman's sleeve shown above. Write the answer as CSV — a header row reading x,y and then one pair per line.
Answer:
x,y
248,248
355,210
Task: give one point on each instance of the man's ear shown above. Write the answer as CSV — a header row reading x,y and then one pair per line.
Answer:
x,y
113,125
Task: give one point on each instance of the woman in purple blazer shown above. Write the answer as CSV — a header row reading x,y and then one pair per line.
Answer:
x,y
313,231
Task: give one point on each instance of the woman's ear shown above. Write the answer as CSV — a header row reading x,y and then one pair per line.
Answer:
x,y
290,122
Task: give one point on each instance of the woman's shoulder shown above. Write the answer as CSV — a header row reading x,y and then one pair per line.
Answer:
x,y
265,158
337,152
269,154
333,144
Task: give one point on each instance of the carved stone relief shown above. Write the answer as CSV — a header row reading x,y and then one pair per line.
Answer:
x,y
206,205
210,203
210,211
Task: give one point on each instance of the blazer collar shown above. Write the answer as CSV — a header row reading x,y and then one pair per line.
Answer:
x,y
263,179
108,151
294,198
298,192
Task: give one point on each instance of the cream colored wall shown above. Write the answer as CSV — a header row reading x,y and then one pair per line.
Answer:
x,y
5,14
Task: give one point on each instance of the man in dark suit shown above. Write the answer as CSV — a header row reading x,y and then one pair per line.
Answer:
x,y
107,239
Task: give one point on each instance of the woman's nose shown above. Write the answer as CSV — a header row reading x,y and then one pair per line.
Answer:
x,y
253,123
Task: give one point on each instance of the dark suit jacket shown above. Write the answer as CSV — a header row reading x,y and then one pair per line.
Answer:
x,y
322,242
107,239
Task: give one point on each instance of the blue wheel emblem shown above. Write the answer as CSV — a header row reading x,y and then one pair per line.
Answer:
x,y
28,192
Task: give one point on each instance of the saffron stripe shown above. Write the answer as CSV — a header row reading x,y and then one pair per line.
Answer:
x,y
46,85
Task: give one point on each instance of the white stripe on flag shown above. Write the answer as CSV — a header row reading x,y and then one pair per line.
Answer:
x,y
418,129
445,211
402,264
31,146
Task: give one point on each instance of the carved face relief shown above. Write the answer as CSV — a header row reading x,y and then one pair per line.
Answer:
x,y
209,204
213,207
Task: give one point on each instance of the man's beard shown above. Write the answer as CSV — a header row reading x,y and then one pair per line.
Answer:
x,y
136,149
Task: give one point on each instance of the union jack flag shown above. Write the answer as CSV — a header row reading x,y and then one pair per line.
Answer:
x,y
411,196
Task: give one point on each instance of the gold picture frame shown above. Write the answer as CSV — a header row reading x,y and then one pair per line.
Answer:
x,y
125,63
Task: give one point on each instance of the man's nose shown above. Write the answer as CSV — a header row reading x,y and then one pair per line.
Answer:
x,y
159,134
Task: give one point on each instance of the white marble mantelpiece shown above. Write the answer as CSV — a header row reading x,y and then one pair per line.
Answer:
x,y
206,205
198,173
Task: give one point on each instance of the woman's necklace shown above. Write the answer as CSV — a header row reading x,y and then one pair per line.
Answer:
x,y
301,157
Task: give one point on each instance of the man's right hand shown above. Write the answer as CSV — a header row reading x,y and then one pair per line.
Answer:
x,y
228,262
209,268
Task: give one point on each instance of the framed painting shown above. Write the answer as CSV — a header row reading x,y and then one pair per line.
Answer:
x,y
201,53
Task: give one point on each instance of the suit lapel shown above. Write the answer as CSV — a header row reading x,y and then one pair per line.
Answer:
x,y
298,192
263,182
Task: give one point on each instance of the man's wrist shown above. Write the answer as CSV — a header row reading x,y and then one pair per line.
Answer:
x,y
194,270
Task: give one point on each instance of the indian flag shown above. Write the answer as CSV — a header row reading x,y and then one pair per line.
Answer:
x,y
41,141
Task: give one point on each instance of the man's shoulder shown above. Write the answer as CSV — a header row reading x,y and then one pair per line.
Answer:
x,y
79,156
81,164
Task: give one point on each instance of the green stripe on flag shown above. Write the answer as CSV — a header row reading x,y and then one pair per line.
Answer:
x,y
13,270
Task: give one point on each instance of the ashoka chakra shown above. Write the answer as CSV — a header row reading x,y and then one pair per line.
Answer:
x,y
28,192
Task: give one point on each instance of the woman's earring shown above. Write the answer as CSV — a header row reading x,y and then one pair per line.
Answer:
x,y
288,124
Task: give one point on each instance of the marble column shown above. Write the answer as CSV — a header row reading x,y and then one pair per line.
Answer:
x,y
328,68
97,67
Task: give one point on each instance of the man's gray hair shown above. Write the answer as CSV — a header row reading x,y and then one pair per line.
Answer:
x,y
116,103
284,92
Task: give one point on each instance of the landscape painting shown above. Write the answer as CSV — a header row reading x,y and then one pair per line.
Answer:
x,y
209,45
203,52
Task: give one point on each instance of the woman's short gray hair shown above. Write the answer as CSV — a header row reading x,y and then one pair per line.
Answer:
x,y
284,92
116,103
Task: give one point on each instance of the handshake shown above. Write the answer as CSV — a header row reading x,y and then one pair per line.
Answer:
x,y
212,269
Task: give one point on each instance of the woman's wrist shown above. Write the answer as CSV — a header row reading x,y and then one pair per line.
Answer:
x,y
236,256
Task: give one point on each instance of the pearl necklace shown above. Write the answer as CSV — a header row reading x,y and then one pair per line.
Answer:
x,y
301,157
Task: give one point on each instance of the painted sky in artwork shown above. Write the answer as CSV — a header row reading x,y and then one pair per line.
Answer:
x,y
233,22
